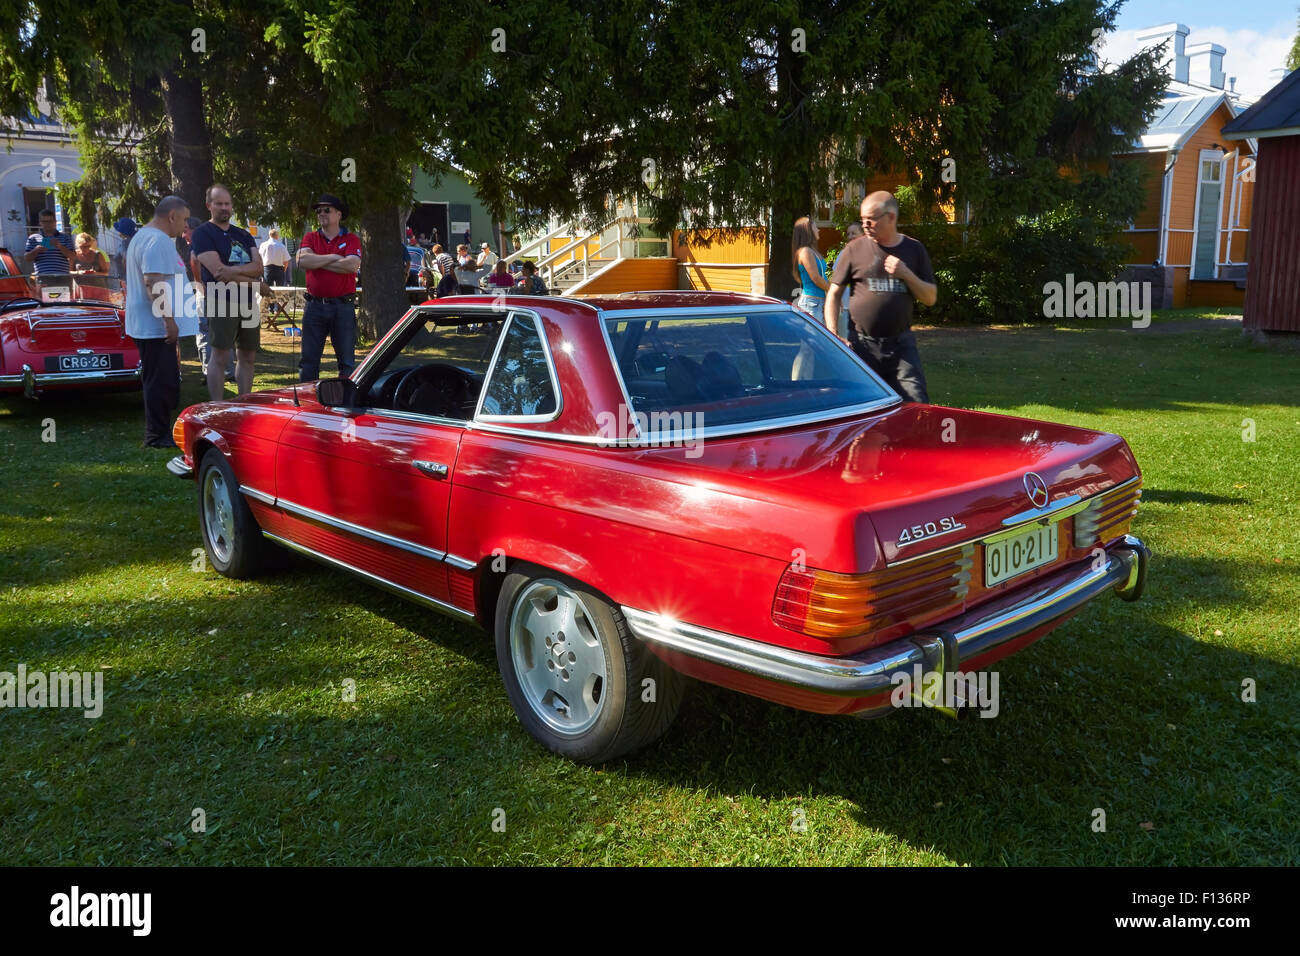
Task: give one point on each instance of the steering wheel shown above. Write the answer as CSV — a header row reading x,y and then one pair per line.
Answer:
x,y
437,389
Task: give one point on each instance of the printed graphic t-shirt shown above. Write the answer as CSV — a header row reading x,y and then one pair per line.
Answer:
x,y
233,246
881,306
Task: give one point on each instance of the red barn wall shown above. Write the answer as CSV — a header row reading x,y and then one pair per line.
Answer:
x,y
1273,276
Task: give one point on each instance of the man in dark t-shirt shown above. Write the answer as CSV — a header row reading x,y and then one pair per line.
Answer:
x,y
887,271
232,270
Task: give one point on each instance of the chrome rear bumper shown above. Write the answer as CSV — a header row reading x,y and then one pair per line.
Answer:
x,y
941,648
31,383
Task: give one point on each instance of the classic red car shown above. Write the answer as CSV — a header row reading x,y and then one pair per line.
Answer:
x,y
63,332
629,489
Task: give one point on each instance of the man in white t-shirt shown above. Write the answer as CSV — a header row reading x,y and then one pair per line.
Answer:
x,y
159,309
275,257
487,258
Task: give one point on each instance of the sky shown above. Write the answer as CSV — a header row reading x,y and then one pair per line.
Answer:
x,y
1256,33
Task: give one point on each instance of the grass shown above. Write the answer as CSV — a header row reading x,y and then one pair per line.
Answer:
x,y
228,696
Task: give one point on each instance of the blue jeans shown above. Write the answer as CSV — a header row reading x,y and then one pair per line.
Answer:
x,y
205,347
813,305
338,321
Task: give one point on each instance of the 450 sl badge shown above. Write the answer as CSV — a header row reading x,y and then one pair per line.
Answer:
x,y
931,529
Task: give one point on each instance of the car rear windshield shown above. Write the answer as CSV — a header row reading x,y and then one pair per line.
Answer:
x,y
737,369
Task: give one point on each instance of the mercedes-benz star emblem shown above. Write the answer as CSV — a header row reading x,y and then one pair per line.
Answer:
x,y
1036,488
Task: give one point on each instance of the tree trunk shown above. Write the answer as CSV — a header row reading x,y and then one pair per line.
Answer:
x,y
791,183
383,288
189,142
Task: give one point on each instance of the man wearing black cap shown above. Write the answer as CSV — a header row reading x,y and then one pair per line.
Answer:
x,y
332,257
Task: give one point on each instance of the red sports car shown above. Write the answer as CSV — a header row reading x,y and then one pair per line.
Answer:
x,y
63,332
632,489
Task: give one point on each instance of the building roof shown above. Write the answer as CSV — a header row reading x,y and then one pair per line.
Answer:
x,y
1277,114
1177,119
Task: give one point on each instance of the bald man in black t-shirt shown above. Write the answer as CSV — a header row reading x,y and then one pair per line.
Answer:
x,y
887,271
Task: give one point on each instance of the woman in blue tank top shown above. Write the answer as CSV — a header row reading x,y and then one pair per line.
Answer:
x,y
809,268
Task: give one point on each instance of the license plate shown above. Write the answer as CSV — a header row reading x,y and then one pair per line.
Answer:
x,y
1014,556
82,363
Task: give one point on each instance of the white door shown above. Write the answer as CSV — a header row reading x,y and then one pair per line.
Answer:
x,y
1209,213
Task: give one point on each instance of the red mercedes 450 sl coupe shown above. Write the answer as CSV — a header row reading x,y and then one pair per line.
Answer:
x,y
63,332
631,490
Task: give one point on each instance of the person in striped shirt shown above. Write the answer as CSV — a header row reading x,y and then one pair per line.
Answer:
x,y
49,250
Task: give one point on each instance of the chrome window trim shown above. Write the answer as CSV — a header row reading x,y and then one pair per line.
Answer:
x,y
695,311
536,433
373,355
540,330
399,589
723,431
417,417
311,514
502,424
613,361
1012,532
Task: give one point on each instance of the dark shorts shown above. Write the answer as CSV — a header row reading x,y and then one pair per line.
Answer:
x,y
894,359
274,275
230,332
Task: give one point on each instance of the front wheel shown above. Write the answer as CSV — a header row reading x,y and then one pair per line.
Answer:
x,y
577,679
231,536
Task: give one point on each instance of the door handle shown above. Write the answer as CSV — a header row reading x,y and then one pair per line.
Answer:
x,y
434,469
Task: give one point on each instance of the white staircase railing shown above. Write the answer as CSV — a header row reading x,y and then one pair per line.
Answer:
x,y
535,247
573,260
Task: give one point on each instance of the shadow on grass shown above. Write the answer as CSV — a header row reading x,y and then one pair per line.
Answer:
x,y
1138,720
1113,711
1174,496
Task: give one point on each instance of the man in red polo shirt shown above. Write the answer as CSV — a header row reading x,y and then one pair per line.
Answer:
x,y
332,257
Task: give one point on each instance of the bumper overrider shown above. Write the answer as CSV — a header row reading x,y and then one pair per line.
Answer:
x,y
939,649
31,383
178,467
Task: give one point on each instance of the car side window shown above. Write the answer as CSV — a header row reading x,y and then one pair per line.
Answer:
x,y
438,367
521,383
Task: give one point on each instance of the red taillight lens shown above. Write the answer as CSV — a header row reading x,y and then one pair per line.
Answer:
x,y
830,605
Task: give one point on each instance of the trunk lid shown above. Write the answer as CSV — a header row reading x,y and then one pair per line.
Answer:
x,y
953,474
48,330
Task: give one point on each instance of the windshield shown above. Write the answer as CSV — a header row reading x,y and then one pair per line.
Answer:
x,y
737,369
84,289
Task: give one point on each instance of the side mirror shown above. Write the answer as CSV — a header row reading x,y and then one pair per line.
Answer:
x,y
336,392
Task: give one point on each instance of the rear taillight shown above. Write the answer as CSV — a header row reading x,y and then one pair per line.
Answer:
x,y
1107,516
833,606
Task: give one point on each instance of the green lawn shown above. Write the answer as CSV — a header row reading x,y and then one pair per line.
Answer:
x,y
228,696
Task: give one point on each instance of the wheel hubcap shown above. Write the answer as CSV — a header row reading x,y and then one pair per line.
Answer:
x,y
557,656
218,516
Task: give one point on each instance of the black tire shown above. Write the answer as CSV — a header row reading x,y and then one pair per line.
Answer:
x,y
231,536
588,721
